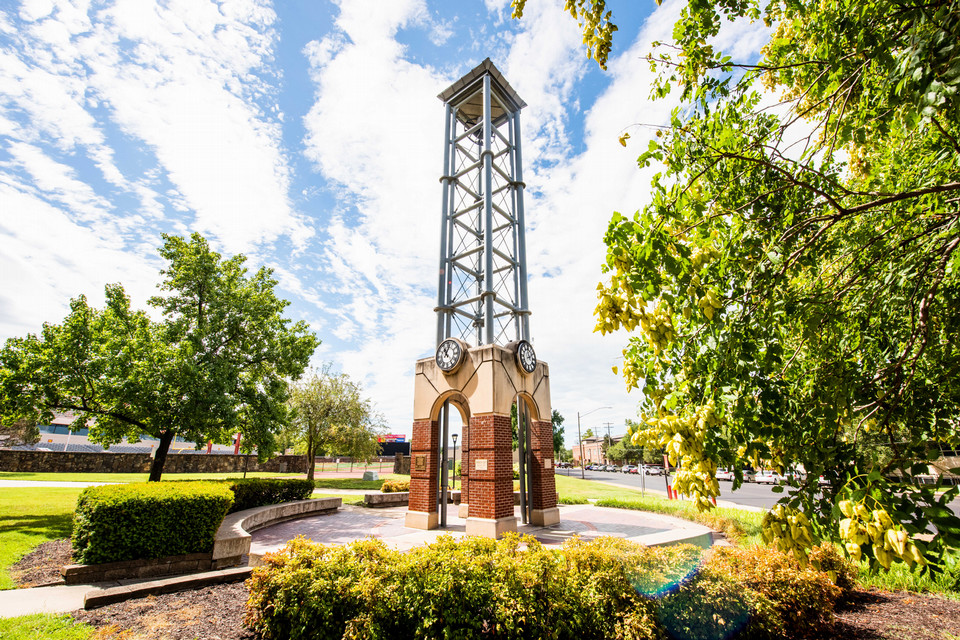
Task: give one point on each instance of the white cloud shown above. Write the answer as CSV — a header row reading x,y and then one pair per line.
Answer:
x,y
46,259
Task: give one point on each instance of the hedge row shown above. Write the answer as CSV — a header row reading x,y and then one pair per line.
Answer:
x,y
147,520
516,588
258,492
158,519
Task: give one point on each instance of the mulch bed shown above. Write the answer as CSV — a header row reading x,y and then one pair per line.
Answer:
x,y
41,566
216,613
213,613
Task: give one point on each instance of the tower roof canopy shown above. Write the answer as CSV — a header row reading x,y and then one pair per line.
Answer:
x,y
465,94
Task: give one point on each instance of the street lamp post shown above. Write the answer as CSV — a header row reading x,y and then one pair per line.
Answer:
x,y
582,476
454,436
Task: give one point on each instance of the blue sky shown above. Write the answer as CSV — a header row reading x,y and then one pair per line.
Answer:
x,y
307,135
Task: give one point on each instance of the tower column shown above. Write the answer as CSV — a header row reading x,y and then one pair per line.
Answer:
x,y
490,511
424,476
544,510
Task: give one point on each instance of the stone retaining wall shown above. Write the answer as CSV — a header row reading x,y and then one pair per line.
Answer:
x,y
141,568
60,462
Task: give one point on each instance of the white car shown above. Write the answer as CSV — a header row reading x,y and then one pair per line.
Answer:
x,y
767,476
724,474
651,470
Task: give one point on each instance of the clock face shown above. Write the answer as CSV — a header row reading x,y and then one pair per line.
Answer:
x,y
526,357
449,354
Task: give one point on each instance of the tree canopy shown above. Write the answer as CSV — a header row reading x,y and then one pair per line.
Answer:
x,y
331,415
216,364
557,421
792,286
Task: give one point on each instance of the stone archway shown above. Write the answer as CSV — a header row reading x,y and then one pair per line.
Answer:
x,y
483,389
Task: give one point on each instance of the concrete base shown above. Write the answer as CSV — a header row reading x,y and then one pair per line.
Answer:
x,y
422,520
544,517
490,527
463,511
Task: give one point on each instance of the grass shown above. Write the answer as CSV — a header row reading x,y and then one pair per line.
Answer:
x,y
355,483
355,499
130,477
44,627
570,487
29,518
900,578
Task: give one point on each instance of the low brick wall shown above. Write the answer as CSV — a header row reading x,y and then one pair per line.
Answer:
x,y
142,568
232,541
231,544
106,462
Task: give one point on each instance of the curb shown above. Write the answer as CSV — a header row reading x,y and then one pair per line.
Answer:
x,y
99,597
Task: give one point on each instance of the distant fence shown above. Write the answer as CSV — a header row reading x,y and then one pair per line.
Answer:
x,y
106,462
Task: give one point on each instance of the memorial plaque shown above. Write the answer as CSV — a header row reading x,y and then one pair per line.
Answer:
x,y
420,462
481,465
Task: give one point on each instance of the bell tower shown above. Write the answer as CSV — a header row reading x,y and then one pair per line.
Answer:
x,y
484,361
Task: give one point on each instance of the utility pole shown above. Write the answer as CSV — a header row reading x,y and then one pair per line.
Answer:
x,y
581,437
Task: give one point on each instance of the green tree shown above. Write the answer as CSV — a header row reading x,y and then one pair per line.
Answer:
x,y
214,365
557,420
794,281
18,433
331,415
625,451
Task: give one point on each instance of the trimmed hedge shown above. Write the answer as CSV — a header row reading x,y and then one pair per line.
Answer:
x,y
258,492
147,520
516,588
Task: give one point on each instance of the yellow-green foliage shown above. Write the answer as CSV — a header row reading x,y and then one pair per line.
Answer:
x,y
395,486
148,520
516,588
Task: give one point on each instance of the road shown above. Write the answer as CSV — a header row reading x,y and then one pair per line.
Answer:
x,y
750,494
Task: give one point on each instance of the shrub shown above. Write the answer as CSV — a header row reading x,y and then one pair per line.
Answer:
x,y
147,520
826,557
258,492
801,599
516,588
395,486
572,500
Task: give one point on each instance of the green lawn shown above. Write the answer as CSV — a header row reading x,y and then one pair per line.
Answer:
x,y
43,627
356,499
571,487
356,483
131,477
29,517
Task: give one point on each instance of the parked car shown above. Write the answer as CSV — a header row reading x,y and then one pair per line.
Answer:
x,y
612,468
627,468
793,477
724,474
652,470
768,476
634,469
749,475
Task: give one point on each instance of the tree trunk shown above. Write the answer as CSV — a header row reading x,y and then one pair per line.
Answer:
x,y
157,468
311,458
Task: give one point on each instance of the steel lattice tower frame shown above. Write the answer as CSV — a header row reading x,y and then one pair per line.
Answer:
x,y
482,292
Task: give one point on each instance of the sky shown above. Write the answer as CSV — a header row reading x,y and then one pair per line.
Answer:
x,y
307,135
